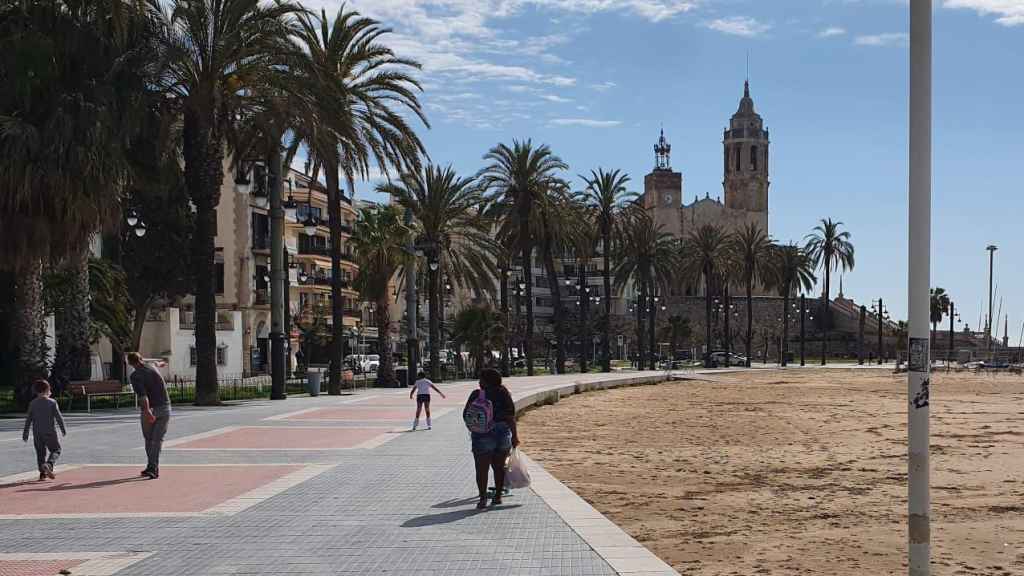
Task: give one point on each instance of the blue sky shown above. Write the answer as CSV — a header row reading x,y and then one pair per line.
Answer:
x,y
595,79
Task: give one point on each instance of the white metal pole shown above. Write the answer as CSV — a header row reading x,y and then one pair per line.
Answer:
x,y
919,531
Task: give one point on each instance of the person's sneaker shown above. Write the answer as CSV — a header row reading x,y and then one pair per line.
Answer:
x,y
429,427
496,501
482,504
144,472
42,476
151,474
49,472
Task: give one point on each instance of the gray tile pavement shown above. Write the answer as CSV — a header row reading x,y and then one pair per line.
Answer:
x,y
405,507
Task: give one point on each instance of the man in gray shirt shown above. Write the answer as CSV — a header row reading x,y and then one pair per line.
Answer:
x,y
44,417
155,406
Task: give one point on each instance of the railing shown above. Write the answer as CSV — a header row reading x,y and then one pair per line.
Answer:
x,y
224,322
261,241
314,249
262,296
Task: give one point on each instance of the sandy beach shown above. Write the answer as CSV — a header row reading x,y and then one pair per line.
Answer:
x,y
799,471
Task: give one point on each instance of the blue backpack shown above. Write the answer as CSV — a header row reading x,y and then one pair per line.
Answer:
x,y
479,415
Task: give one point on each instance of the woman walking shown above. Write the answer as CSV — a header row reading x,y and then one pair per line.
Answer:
x,y
490,415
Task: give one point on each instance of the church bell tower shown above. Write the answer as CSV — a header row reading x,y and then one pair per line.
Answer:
x,y
663,189
746,158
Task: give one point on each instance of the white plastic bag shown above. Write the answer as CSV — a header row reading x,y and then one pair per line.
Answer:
x,y
516,474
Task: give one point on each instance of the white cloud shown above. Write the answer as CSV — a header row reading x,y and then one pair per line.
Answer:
x,y
1007,12
587,122
832,31
738,26
888,39
603,86
556,99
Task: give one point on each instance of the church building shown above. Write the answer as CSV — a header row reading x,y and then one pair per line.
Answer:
x,y
745,181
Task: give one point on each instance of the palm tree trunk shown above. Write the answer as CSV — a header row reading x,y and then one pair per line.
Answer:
x,y
434,324
606,358
556,296
337,301
652,346
584,325
526,247
503,289
386,368
707,317
750,318
785,326
825,312
204,174
73,321
641,333
29,330
139,315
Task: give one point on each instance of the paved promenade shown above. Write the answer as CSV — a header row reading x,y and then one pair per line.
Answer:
x,y
326,485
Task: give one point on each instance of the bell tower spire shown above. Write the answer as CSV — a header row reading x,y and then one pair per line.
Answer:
x,y
662,153
745,154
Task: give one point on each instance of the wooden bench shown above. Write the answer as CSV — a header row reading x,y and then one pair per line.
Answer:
x,y
88,389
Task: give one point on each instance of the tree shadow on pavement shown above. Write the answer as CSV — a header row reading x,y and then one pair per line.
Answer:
x,y
453,516
46,487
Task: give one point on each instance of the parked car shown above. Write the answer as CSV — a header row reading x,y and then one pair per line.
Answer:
x,y
718,359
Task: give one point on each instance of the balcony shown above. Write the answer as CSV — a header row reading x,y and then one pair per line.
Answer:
x,y
187,321
307,249
262,297
261,241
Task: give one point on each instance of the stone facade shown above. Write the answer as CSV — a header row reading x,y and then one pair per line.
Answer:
x,y
745,169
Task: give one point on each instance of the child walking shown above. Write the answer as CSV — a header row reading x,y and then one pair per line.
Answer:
x,y
43,417
422,388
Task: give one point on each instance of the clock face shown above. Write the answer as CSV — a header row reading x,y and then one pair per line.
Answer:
x,y
667,199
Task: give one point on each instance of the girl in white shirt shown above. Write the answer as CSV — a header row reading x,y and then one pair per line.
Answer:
x,y
422,388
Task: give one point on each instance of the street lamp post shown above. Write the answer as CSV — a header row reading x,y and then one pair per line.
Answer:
x,y
952,335
988,323
860,336
278,272
412,314
803,322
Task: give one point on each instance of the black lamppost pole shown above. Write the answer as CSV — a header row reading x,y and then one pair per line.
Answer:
x,y
988,324
880,311
952,335
803,321
860,336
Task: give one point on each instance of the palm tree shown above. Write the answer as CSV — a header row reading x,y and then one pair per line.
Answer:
x,y
829,249
554,210
518,177
482,328
360,89
791,271
938,308
606,193
703,256
74,73
750,250
447,213
217,53
379,241
648,256
583,234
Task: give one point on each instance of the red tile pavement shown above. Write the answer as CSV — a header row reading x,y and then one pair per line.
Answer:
x,y
120,490
285,438
368,413
36,567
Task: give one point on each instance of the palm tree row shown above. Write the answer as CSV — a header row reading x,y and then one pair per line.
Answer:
x,y
231,77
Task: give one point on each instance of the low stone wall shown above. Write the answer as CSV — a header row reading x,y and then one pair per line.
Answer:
x,y
553,395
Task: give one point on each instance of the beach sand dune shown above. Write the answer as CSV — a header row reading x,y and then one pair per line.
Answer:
x,y
795,471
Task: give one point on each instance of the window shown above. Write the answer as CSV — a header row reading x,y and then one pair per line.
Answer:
x,y
726,157
219,275
222,355
753,158
737,161
304,210
192,356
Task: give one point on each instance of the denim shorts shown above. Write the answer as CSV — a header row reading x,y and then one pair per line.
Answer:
x,y
498,440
